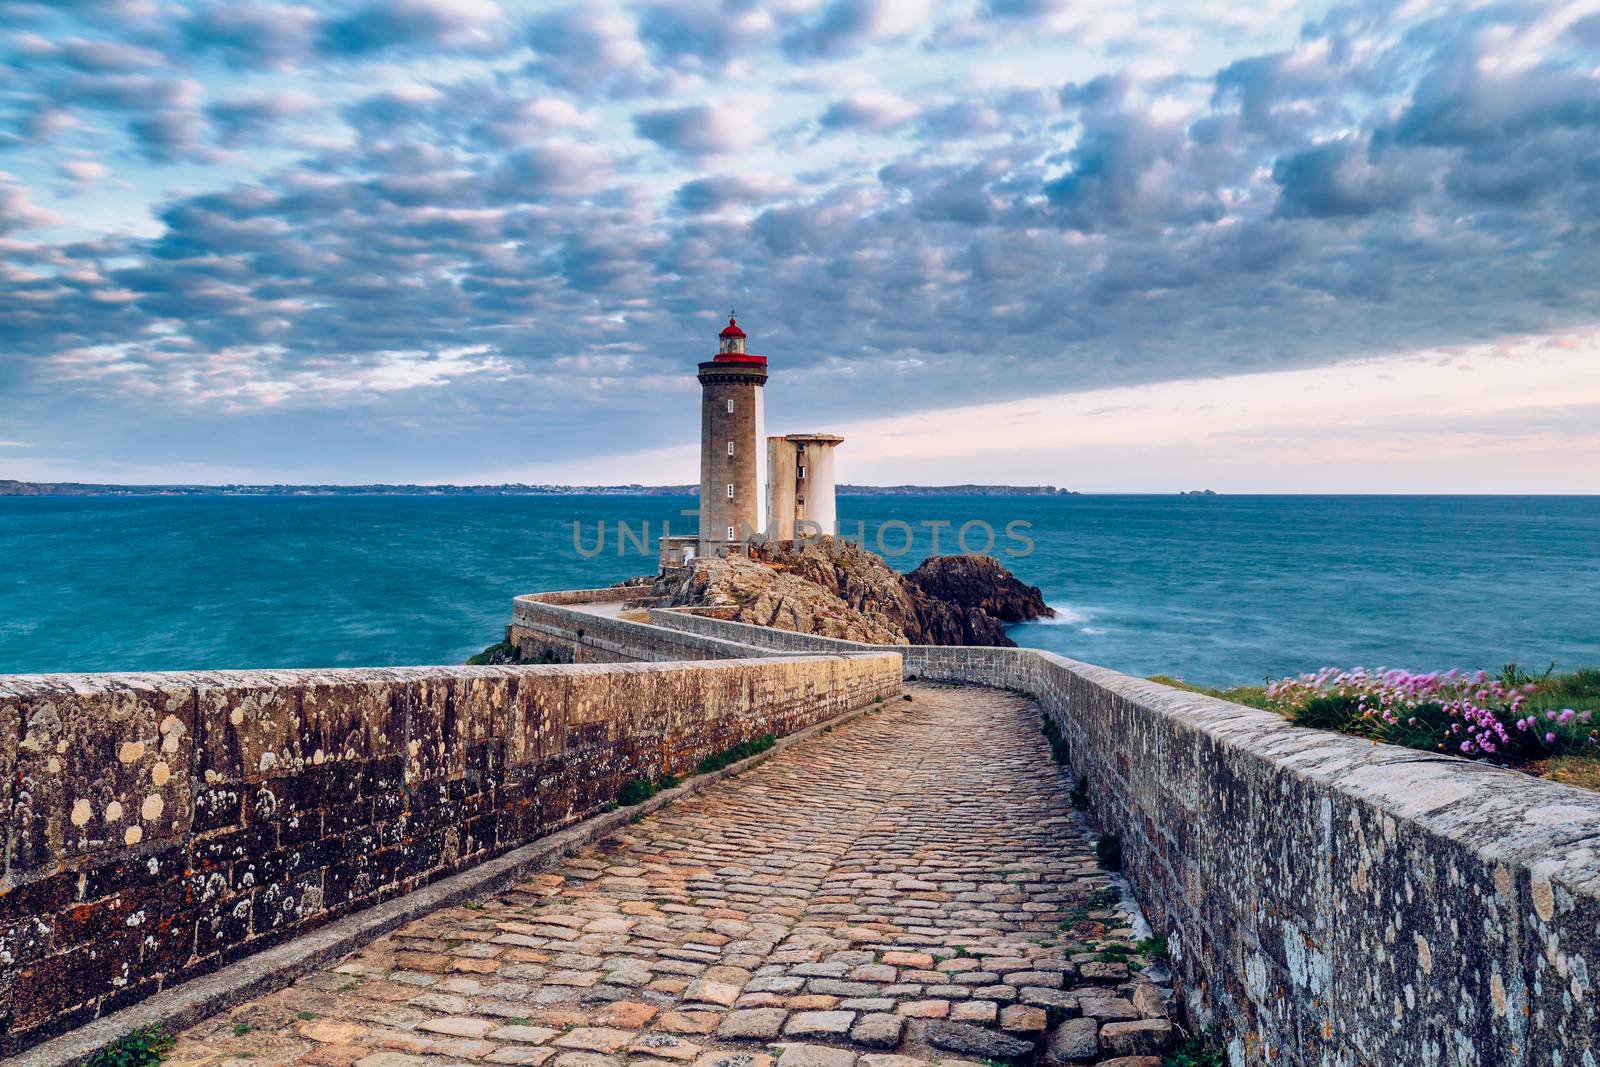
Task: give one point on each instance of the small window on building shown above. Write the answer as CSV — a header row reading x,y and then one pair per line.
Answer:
x,y
730,490
802,472
730,448
730,407
730,529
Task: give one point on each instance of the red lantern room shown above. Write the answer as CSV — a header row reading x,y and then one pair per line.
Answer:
x,y
731,346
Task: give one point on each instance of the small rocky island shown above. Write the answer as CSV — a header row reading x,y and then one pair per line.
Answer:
x,y
835,588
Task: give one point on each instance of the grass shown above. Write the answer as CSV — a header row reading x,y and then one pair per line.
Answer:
x,y
1108,851
1153,947
144,1047
1551,692
1254,696
742,751
1201,1050
639,790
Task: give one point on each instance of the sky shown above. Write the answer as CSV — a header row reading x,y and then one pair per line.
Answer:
x,y
1101,244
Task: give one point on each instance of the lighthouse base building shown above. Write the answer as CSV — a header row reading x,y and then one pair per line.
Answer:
x,y
752,487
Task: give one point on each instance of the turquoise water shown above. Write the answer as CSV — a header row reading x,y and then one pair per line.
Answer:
x,y
1217,589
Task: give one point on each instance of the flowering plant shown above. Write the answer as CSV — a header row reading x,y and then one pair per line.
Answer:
x,y
1468,713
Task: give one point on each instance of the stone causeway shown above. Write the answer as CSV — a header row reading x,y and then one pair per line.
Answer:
x,y
910,887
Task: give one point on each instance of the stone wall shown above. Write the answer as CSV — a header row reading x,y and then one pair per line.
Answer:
x,y
1328,901
162,825
552,628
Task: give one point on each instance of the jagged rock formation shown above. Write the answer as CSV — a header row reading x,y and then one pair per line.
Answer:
x,y
834,588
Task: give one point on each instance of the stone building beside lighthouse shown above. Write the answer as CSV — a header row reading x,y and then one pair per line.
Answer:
x,y
741,497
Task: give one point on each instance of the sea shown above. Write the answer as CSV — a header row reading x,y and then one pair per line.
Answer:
x,y
1218,590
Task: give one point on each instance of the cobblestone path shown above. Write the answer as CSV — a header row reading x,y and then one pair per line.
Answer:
x,y
912,886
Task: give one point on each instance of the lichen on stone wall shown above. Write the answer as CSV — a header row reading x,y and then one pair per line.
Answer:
x,y
160,825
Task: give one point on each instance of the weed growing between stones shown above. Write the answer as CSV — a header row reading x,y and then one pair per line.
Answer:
x,y
1080,793
637,791
144,1047
1058,744
743,750
1200,1050
1153,947
1108,851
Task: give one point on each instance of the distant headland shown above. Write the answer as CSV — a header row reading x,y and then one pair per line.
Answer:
x,y
9,487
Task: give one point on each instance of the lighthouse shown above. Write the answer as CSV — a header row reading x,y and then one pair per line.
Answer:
x,y
732,459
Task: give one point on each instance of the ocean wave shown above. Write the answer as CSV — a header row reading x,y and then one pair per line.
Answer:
x,y
1067,615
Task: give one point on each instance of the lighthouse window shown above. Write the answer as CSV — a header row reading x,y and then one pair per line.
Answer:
x,y
730,407
802,472
730,490
730,448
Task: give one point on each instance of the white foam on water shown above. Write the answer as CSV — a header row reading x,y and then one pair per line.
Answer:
x,y
1067,615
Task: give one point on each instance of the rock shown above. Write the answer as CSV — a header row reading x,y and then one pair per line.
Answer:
x,y
1058,1003
1109,973
981,583
987,1044
457,1027
1107,1008
1132,1061
814,1056
1074,1041
878,1030
1021,1019
818,1023
752,1024
833,588
1152,1001
1142,1037
527,1035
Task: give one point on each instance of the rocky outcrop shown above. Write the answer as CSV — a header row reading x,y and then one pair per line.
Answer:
x,y
980,582
835,588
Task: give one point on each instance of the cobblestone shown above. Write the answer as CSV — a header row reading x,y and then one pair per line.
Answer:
x,y
916,874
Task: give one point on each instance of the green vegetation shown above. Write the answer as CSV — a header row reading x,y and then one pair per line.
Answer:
x,y
1058,744
1201,1050
742,751
636,792
506,653
1108,851
1254,696
1543,724
1153,947
144,1047
1080,793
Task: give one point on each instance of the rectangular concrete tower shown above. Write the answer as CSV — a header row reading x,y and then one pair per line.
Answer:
x,y
801,489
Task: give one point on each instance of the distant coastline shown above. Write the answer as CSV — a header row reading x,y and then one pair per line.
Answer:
x,y
16,488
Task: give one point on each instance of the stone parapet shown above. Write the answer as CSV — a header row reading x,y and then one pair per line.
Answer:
x,y
162,825
1328,901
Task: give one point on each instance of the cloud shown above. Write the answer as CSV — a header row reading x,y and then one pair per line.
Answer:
x,y
18,212
588,47
846,26
1342,178
448,25
257,34
708,196
282,192
873,111
701,129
